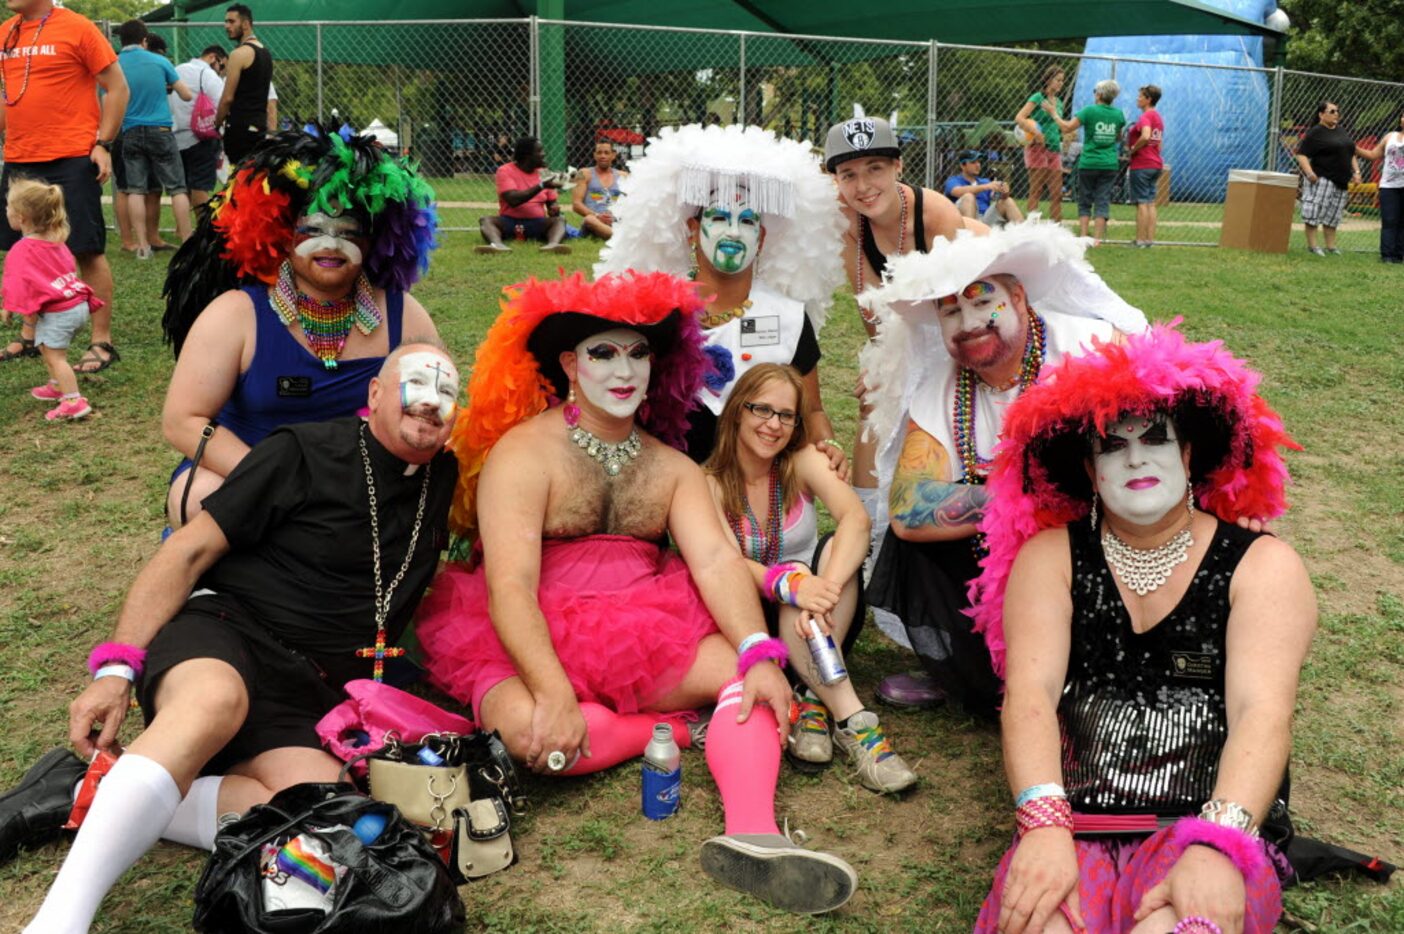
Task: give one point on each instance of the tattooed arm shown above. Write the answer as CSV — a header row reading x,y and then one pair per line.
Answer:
x,y
925,506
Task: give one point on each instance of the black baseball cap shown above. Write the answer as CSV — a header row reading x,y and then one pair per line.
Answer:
x,y
971,155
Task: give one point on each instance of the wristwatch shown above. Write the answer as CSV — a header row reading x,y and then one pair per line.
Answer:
x,y
104,143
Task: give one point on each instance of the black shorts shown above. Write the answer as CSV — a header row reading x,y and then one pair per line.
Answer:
x,y
82,199
241,136
287,692
201,163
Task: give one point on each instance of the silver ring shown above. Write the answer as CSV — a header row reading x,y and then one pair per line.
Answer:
x,y
556,761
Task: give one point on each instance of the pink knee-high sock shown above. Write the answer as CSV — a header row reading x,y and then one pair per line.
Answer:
x,y
745,762
619,737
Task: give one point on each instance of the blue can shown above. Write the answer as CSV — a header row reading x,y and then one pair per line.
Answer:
x,y
429,756
662,774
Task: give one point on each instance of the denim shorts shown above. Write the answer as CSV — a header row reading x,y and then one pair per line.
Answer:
x,y
1094,187
56,328
1144,185
201,164
152,161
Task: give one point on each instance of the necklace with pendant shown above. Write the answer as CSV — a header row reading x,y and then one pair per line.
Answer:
x,y
612,456
1146,569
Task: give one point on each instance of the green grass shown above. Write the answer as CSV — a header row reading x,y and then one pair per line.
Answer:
x,y
80,510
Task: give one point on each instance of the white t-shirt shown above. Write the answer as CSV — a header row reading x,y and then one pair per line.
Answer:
x,y
1392,170
198,76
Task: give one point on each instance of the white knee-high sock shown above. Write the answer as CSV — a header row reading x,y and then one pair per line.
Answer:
x,y
133,804
196,820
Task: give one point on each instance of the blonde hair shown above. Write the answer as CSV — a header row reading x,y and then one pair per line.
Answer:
x,y
40,206
724,466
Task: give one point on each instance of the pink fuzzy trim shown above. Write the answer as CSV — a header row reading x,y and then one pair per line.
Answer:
x,y
119,653
772,650
1244,851
1148,371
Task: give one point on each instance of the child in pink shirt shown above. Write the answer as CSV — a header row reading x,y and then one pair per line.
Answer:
x,y
41,283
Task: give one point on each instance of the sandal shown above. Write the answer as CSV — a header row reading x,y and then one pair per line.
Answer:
x,y
27,349
89,356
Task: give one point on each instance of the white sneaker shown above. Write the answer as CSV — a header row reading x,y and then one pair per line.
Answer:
x,y
879,768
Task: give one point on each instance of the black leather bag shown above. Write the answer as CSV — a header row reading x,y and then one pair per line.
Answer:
x,y
395,884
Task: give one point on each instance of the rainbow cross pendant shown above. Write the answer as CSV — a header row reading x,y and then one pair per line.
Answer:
x,y
380,652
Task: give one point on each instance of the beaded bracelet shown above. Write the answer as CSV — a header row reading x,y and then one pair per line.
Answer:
x,y
771,650
1047,789
117,670
1044,812
119,652
1197,924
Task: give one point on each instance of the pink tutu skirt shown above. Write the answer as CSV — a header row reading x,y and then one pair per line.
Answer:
x,y
624,614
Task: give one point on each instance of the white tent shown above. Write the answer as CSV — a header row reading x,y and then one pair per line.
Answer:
x,y
382,133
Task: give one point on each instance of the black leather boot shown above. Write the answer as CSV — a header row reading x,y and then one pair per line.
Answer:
x,y
34,811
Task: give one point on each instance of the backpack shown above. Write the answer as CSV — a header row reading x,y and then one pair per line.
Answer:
x,y
202,115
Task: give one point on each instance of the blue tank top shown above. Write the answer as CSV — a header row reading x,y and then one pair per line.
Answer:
x,y
285,384
599,198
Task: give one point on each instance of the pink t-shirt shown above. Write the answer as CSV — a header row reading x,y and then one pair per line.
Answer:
x,y
510,177
1148,156
41,276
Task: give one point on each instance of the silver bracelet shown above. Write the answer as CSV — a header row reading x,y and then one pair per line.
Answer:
x,y
1228,814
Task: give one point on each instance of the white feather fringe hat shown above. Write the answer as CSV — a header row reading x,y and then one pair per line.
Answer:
x,y
681,172
1046,259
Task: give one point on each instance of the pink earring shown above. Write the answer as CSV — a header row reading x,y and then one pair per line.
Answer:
x,y
571,411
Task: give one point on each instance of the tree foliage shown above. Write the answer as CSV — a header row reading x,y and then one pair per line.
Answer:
x,y
1356,38
114,11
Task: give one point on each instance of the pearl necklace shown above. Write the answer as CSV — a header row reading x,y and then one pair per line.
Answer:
x,y
611,456
901,236
976,467
1146,569
12,45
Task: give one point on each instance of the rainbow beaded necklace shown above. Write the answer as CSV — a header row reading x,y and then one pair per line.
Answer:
x,y
764,547
976,467
325,324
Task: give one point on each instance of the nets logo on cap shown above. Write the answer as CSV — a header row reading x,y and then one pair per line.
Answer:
x,y
859,132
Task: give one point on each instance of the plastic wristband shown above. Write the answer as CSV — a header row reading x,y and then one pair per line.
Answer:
x,y
121,671
754,639
787,588
117,652
771,650
1047,789
772,578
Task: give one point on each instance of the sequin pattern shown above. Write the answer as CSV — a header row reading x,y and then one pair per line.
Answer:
x,y
1142,715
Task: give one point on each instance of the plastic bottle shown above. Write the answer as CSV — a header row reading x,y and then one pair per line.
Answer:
x,y
826,655
662,774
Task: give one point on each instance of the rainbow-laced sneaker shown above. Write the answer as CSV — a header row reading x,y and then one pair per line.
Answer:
x,y
809,745
878,767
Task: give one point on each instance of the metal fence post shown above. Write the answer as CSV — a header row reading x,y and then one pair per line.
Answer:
x,y
741,71
929,179
320,118
1274,122
534,77
1113,69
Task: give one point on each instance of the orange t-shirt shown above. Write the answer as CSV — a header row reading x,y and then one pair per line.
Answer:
x,y
57,115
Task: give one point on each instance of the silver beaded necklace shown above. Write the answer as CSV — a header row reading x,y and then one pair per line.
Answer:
x,y
1146,569
612,456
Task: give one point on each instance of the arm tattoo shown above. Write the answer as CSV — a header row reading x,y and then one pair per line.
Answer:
x,y
922,491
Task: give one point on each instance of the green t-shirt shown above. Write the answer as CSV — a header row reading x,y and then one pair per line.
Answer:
x,y
1052,136
1101,132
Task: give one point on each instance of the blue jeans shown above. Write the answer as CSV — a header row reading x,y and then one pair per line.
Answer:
x,y
1392,223
1094,188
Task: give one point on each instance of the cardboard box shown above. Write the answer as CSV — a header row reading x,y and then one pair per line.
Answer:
x,y
1258,210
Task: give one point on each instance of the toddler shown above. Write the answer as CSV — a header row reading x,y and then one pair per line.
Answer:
x,y
41,283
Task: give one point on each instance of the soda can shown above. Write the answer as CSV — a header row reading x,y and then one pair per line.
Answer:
x,y
662,774
826,655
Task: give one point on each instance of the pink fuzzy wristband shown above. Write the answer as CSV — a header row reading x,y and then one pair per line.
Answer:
x,y
1244,851
117,653
771,650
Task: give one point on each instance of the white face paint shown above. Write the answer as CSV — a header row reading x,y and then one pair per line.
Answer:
x,y
729,234
980,325
1140,473
320,233
428,378
612,370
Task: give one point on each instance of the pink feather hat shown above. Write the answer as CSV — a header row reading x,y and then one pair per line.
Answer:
x,y
1039,480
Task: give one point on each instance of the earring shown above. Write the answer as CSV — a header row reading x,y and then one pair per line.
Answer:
x,y
1189,498
571,410
1094,512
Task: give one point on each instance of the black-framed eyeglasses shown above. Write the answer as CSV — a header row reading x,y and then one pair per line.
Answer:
x,y
765,413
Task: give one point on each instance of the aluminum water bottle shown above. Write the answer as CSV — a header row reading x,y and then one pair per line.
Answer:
x,y
662,774
826,655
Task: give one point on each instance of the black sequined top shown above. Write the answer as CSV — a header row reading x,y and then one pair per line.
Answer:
x,y
1142,715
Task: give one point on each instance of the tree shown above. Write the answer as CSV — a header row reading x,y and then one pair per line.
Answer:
x,y
114,11
1356,38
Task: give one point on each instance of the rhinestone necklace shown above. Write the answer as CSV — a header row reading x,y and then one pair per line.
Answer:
x,y
12,45
976,467
1145,569
611,456
901,236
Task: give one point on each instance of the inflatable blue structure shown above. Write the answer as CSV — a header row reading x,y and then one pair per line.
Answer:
x,y
1215,120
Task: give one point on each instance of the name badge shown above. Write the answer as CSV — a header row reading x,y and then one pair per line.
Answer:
x,y
294,387
761,331
1197,666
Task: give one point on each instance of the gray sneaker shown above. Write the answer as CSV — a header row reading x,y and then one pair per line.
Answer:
x,y
878,767
775,870
809,745
1316,250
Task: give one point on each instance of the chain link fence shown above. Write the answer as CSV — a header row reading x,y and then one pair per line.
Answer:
x,y
457,94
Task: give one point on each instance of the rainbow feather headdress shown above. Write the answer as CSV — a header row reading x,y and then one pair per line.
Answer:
x,y
247,230
510,384
1039,480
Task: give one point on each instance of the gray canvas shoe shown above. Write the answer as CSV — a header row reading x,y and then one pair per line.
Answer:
x,y
878,767
775,870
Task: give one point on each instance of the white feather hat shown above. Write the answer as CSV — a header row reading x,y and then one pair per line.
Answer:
x,y
684,168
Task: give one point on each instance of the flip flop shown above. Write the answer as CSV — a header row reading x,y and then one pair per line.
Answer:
x,y
27,349
89,357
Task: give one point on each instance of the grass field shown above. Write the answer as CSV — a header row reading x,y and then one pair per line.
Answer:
x,y
80,511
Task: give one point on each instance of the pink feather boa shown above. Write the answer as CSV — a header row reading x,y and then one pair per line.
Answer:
x,y
1147,372
771,650
1244,851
